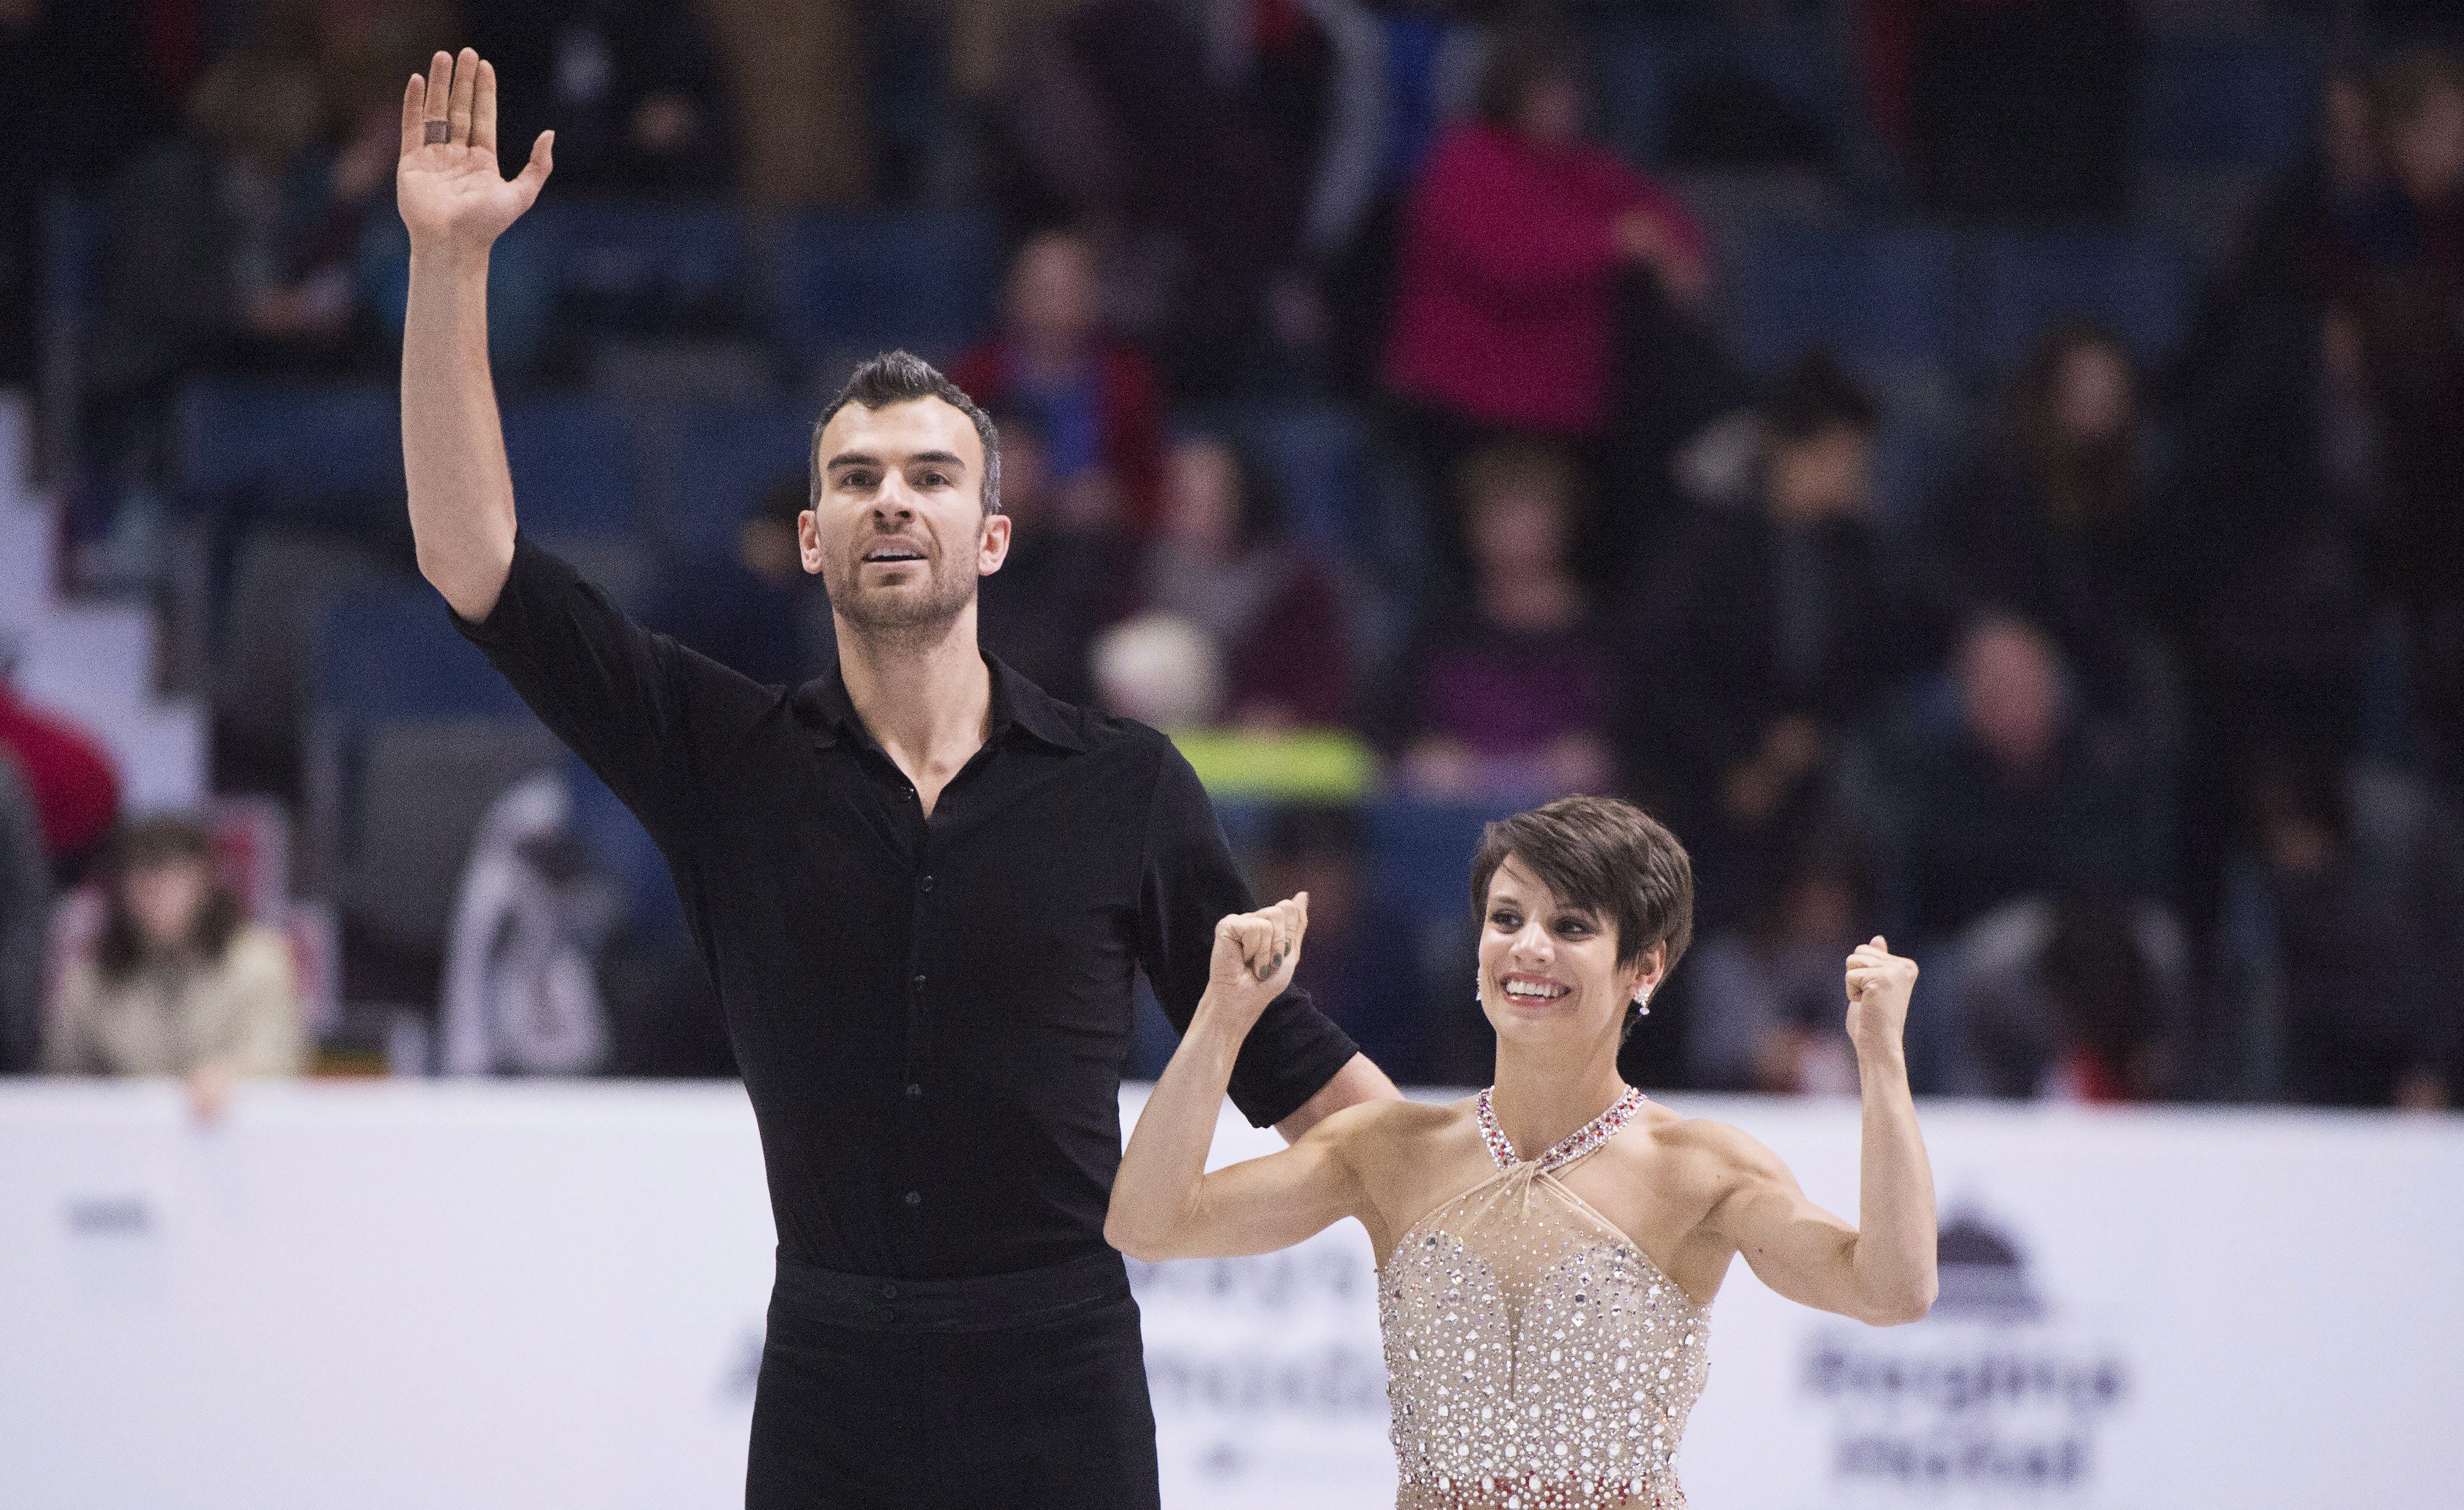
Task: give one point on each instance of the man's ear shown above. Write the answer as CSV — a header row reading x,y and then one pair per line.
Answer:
x,y
994,549
808,542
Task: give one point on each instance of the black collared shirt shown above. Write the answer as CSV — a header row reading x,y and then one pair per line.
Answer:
x,y
930,1014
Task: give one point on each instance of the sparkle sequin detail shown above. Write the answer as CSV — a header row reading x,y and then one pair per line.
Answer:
x,y
1534,1356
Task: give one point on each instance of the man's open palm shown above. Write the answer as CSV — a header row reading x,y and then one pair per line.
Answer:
x,y
453,192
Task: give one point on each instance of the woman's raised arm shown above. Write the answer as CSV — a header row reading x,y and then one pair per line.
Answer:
x,y
1880,1270
1164,1203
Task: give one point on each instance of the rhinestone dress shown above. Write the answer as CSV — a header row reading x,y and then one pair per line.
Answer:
x,y
1534,1356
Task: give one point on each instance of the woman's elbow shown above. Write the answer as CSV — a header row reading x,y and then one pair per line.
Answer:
x,y
1906,1304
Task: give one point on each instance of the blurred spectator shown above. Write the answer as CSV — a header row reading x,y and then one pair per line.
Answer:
x,y
1765,636
1512,243
2020,793
2267,593
2405,298
72,781
177,982
2295,250
25,921
631,88
531,923
2008,108
2070,1000
1387,75
755,610
801,64
2347,904
1764,1006
84,92
1358,965
1062,581
1121,121
1222,560
1094,398
2050,521
1509,697
233,244
1159,669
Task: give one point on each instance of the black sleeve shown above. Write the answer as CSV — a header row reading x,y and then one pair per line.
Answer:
x,y
1188,888
638,708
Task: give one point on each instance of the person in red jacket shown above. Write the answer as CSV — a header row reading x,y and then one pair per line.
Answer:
x,y
1094,398
72,781
1514,240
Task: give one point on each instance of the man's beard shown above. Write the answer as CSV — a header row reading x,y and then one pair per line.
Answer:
x,y
903,617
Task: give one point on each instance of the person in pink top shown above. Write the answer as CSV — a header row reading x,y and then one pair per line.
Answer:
x,y
1513,239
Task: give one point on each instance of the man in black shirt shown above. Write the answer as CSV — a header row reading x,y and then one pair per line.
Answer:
x,y
921,885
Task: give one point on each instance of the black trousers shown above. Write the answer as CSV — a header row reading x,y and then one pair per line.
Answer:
x,y
1017,1389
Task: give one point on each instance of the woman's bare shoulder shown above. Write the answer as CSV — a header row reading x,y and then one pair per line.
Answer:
x,y
1392,1127
1703,1147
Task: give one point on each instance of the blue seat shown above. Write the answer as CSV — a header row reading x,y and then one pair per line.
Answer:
x,y
1881,296
1645,64
2142,288
1317,457
623,848
296,443
864,283
2227,100
630,249
723,455
391,656
572,460
1419,856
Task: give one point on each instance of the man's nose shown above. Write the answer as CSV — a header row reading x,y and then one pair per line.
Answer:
x,y
892,501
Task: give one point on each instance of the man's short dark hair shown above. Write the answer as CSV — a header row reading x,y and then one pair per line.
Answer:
x,y
1606,857
1815,397
899,376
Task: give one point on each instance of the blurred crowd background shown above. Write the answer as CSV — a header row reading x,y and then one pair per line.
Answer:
x,y
1985,471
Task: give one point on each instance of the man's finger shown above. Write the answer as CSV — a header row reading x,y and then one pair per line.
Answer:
x,y
534,174
483,109
415,111
440,89
466,86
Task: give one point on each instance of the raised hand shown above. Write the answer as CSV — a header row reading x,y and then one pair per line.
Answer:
x,y
452,193
1255,955
1879,985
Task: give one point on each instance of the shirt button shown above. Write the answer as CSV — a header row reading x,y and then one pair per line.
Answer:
x,y
915,1197
919,982
927,882
914,1092
889,1292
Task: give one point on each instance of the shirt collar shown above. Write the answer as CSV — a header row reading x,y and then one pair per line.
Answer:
x,y
1017,703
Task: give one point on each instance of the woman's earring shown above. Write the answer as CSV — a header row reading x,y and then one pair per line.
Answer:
x,y
1642,1004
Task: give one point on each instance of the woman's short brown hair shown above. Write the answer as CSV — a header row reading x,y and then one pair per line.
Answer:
x,y
1609,858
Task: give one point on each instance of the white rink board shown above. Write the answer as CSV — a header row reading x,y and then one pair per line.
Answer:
x,y
550,1294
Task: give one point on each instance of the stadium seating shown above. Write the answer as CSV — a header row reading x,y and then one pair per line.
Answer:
x,y
413,734
720,459
850,285
2138,288
1880,294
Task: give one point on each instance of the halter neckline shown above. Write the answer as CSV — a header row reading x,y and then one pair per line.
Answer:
x,y
1573,1146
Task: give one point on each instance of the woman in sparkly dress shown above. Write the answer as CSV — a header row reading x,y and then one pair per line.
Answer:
x,y
1546,1313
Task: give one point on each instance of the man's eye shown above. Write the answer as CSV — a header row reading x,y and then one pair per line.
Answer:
x,y
934,479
